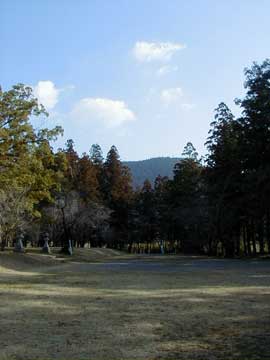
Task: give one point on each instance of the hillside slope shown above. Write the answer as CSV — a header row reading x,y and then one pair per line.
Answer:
x,y
151,168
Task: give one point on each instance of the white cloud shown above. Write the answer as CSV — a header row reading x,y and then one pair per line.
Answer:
x,y
155,51
112,113
166,69
47,93
172,95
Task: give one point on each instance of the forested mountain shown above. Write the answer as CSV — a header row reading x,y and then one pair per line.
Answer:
x,y
150,169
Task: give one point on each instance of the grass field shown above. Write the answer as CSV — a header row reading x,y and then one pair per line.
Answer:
x,y
127,307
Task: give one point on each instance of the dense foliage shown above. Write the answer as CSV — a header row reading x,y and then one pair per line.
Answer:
x,y
219,205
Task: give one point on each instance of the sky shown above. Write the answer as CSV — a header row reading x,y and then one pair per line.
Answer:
x,y
143,75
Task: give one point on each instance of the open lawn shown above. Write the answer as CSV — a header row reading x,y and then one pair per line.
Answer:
x,y
127,307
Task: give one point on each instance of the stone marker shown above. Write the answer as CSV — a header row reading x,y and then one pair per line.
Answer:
x,y
70,251
46,247
18,247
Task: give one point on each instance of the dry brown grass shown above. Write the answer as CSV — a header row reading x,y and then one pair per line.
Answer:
x,y
156,308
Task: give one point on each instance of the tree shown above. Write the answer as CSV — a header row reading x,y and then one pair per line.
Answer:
x,y
72,163
163,206
224,179
117,190
96,155
27,162
147,219
14,213
255,143
186,191
190,152
88,182
117,184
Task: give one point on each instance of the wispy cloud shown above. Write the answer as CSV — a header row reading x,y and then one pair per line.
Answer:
x,y
172,95
155,51
112,113
166,69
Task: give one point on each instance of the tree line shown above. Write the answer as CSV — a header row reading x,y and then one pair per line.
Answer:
x,y
216,205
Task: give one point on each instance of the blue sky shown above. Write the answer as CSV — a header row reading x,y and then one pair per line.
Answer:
x,y
144,75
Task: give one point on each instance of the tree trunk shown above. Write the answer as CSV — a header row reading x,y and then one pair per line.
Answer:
x,y
268,230
253,238
244,237
261,236
247,232
237,241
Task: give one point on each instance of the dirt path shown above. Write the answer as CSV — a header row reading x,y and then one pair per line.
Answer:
x,y
137,308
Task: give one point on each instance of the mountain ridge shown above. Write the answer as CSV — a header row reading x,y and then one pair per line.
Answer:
x,y
151,168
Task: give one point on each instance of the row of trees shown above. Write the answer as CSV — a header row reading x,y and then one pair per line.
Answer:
x,y
71,197
216,205
238,169
222,204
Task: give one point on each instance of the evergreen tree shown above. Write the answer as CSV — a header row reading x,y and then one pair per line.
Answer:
x,y
117,191
96,155
224,180
255,148
117,178
186,190
88,184
190,152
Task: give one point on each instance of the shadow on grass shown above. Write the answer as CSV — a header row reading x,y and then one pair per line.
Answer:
x,y
84,312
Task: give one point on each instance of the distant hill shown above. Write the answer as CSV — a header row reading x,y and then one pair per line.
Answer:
x,y
151,168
